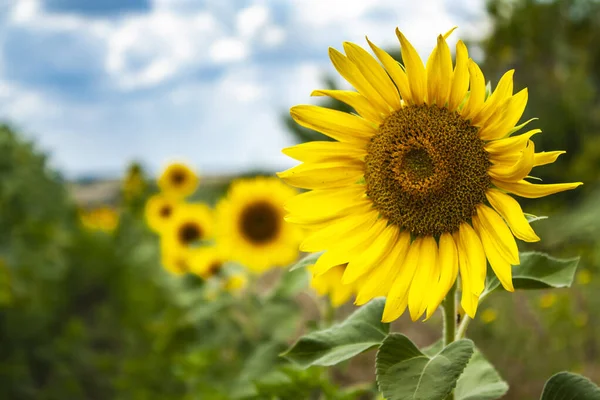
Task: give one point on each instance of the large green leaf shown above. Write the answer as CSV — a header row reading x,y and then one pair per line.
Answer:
x,y
404,372
539,271
569,386
306,261
361,331
480,381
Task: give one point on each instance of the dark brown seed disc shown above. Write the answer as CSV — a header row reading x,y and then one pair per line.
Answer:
x,y
426,170
189,232
260,222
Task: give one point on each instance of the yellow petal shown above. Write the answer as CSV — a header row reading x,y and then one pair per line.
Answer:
x,y
477,91
374,74
448,266
324,201
420,288
510,144
337,125
500,95
355,100
439,73
546,157
499,232
380,280
533,190
323,175
502,268
373,254
470,249
505,117
512,213
460,80
350,229
397,298
351,73
365,246
447,34
340,294
518,170
328,260
317,217
325,151
414,70
396,72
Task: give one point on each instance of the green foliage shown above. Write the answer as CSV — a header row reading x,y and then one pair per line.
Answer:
x,y
480,381
359,332
404,372
566,385
305,261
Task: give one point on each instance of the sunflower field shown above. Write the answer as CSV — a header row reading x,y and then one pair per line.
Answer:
x,y
436,238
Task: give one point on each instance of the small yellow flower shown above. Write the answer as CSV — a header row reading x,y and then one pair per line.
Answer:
x,y
489,315
191,224
547,300
159,211
178,181
207,262
584,277
176,260
134,183
250,225
416,187
235,283
103,219
330,283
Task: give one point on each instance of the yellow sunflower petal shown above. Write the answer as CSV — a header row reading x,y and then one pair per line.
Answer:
x,y
323,175
512,213
337,125
500,95
396,72
324,201
315,219
518,170
324,151
415,70
380,280
420,292
355,100
373,254
374,73
448,266
352,74
477,91
471,252
546,157
439,73
533,190
505,118
502,268
460,80
397,298
499,232
510,144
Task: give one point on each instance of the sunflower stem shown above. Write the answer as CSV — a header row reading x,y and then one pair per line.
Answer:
x,y
450,316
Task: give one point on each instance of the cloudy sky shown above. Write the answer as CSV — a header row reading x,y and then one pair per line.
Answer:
x,y
98,83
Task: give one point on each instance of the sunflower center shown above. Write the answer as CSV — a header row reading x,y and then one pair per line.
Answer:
x,y
260,223
189,232
178,177
426,170
165,211
214,268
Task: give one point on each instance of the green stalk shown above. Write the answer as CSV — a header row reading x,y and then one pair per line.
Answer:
x,y
450,322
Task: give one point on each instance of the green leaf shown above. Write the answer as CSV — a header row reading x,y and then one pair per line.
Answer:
x,y
306,261
361,331
291,283
480,381
569,386
404,372
539,271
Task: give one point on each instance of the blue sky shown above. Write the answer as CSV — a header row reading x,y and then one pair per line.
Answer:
x,y
97,83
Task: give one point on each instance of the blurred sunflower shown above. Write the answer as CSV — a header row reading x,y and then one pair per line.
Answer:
x,y
178,180
105,219
176,261
415,189
330,283
159,211
207,262
190,225
250,225
235,283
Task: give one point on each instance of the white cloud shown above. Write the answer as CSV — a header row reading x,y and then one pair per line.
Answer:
x,y
228,50
251,19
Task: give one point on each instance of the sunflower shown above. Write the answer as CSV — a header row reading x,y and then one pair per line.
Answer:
x,y
176,261
235,283
416,188
178,180
330,283
250,225
159,211
103,219
190,226
207,262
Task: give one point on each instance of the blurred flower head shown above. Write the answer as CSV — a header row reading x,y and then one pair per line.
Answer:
x,y
159,211
103,219
330,283
190,226
547,300
178,181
